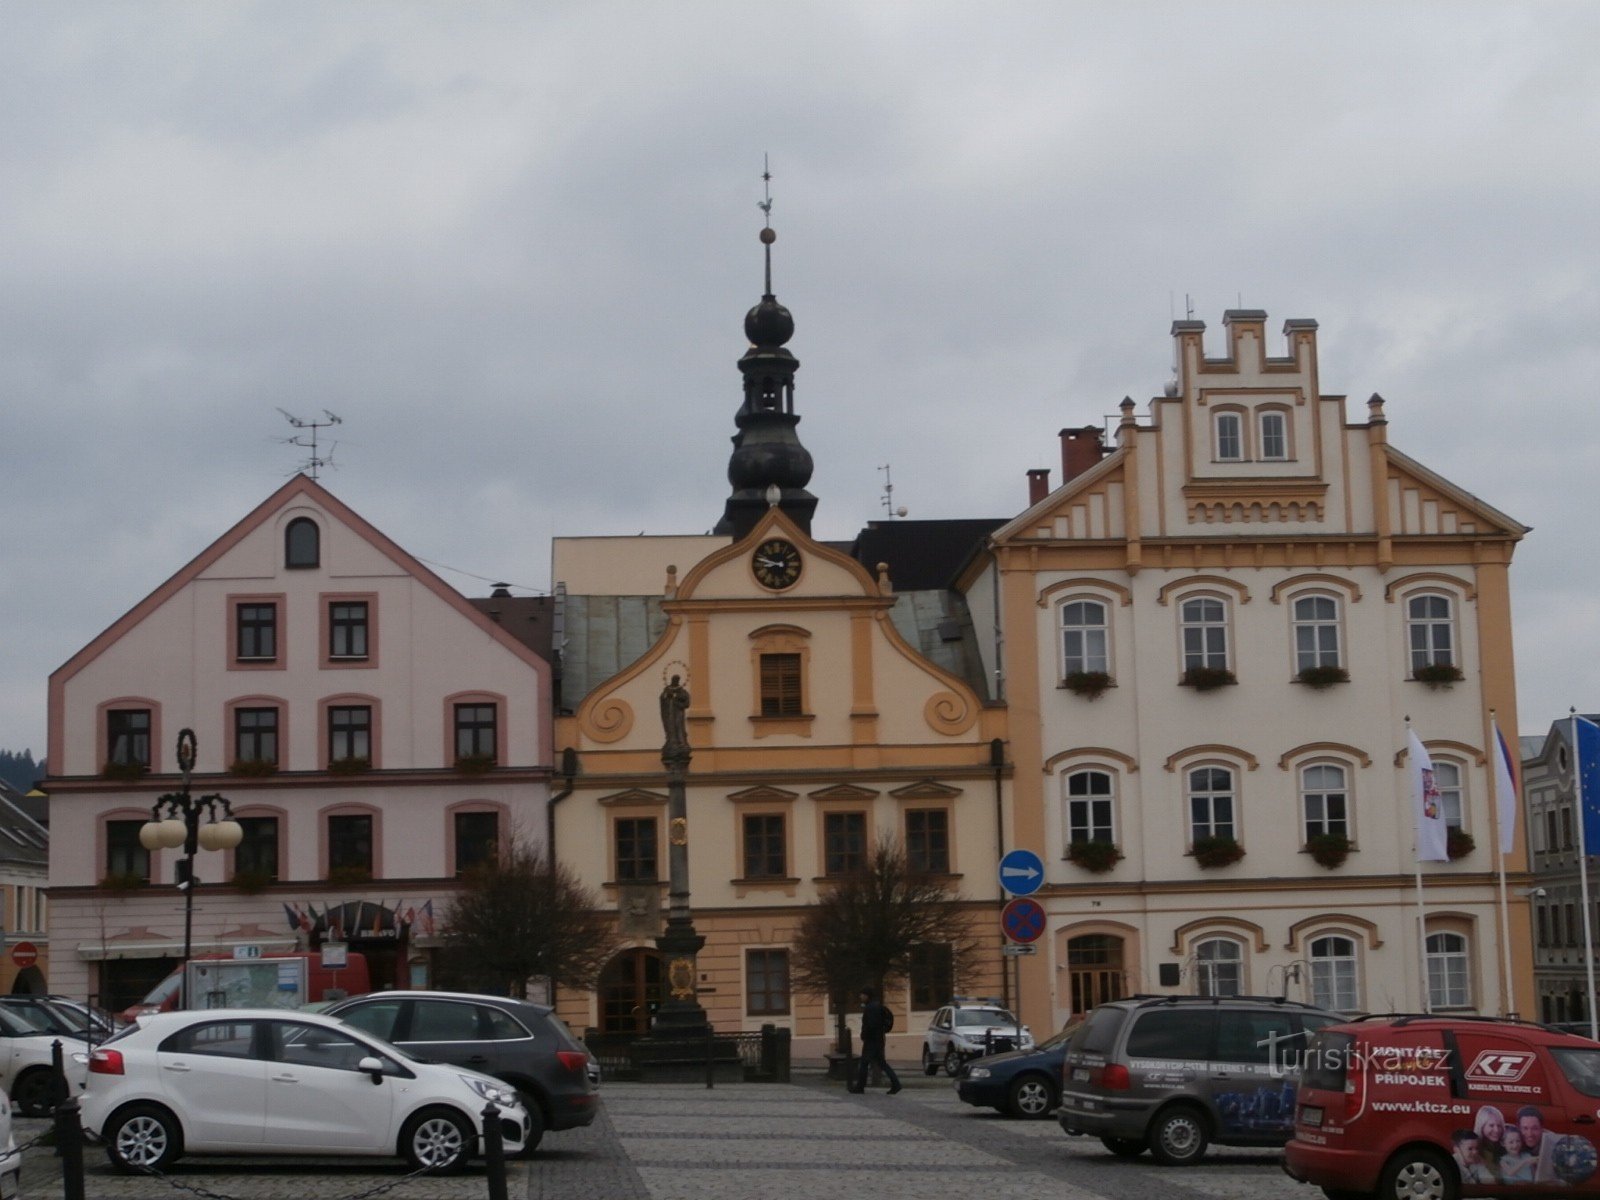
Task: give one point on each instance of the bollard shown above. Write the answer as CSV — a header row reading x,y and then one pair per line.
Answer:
x,y
711,1051
58,1089
69,1145
494,1152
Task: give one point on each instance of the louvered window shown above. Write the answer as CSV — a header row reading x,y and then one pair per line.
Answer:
x,y
780,685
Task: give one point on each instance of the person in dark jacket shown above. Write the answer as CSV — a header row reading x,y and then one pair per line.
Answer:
x,y
876,1021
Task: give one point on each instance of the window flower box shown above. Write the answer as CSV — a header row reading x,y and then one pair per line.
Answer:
x,y
1437,675
1328,849
1088,684
1094,856
1459,843
1217,851
1319,678
349,766
125,771
474,764
252,768
344,876
1207,679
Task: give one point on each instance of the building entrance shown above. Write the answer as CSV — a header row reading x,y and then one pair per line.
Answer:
x,y
630,991
1094,970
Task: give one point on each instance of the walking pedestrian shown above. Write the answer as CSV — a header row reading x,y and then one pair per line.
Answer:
x,y
876,1022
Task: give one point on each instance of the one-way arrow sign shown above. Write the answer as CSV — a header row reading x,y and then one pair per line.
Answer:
x,y
1021,872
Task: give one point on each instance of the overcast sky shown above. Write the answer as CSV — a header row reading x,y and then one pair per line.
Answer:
x,y
511,245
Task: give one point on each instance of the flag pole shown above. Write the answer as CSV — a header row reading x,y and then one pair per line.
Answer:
x,y
1422,909
1583,878
1500,836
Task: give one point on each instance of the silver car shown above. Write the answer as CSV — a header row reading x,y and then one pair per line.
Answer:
x,y
966,1029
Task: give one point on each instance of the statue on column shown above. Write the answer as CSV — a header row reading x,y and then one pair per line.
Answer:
x,y
674,721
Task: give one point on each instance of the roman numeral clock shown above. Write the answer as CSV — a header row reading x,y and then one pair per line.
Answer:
x,y
776,564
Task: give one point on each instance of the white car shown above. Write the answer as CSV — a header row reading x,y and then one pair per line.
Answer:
x,y
271,1081
966,1029
25,1062
10,1160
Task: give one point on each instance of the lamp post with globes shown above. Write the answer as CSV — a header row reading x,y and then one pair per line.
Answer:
x,y
175,821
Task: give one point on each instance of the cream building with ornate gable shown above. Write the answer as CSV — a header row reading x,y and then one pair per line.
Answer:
x,y
1210,636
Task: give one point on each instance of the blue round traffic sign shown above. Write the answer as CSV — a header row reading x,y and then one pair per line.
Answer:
x,y
1022,920
1021,872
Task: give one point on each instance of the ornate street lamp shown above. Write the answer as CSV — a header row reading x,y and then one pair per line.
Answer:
x,y
175,821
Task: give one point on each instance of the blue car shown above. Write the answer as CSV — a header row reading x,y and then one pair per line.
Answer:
x,y
1025,1084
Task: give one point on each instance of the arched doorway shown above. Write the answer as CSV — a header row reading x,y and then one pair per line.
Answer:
x,y
1094,970
630,991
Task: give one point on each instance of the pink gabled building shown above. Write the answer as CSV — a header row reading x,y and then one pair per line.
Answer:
x,y
375,732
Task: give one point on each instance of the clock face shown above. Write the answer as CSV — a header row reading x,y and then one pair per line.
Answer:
x,y
776,564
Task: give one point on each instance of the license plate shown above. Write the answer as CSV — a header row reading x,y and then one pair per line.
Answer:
x,y
1080,1074
1311,1115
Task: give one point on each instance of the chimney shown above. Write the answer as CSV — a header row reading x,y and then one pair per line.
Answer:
x,y
1038,485
1080,450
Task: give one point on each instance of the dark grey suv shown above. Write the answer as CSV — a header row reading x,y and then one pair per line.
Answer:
x,y
1172,1074
524,1044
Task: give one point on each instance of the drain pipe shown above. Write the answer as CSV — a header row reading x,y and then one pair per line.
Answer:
x,y
997,760
569,771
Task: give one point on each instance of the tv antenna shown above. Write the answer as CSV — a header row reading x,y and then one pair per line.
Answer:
x,y
316,461
888,496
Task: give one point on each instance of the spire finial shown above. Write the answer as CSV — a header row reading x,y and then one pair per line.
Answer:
x,y
768,234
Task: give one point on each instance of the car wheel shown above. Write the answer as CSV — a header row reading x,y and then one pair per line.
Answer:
x,y
1124,1147
952,1062
1178,1136
1030,1097
32,1093
143,1137
1419,1174
930,1064
535,1123
439,1139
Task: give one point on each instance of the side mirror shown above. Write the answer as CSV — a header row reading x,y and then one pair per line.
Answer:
x,y
373,1066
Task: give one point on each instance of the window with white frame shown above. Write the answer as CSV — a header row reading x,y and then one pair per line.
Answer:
x,y
1230,437
1204,621
1211,803
1325,800
1430,630
1335,976
1084,642
1274,427
1448,975
1447,778
1091,800
1316,632
1219,968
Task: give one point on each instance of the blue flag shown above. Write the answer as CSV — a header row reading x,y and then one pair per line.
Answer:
x,y
1586,751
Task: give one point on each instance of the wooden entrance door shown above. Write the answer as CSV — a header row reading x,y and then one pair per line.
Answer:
x,y
630,991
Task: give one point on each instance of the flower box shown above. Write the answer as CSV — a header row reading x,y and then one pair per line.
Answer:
x,y
1322,677
1437,675
1329,849
1207,679
1218,851
252,767
1088,684
1094,856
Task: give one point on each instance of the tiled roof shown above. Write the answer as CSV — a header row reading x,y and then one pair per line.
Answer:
x,y
22,839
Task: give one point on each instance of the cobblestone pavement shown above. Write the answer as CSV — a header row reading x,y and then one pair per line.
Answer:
x,y
809,1140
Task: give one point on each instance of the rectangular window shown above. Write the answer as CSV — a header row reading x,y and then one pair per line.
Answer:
x,y
257,632
1274,436
1205,633
1430,630
780,685
1090,807
476,731
255,735
128,736
928,841
477,839
349,733
933,975
125,857
766,975
765,854
844,842
1572,925
257,853
350,843
1544,924
1316,632
1230,438
347,629
636,849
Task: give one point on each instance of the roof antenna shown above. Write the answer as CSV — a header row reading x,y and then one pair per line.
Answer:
x,y
888,496
316,461
768,234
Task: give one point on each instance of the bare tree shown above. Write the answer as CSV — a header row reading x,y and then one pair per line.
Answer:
x,y
863,930
519,916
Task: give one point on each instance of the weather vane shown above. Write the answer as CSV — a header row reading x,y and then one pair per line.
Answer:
x,y
316,461
765,203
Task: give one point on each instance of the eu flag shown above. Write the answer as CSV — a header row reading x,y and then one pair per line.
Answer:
x,y
1586,752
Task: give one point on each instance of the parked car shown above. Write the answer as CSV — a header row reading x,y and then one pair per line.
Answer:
x,y
967,1028
526,1045
262,1081
10,1159
1020,1083
1172,1074
54,1015
1430,1108
26,1055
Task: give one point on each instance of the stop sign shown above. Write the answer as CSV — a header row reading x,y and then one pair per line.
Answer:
x,y
24,954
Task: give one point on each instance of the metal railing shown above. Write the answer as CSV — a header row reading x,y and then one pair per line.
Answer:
x,y
763,1054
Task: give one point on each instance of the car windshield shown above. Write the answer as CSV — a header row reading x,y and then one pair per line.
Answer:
x,y
44,1017
979,1017
1060,1039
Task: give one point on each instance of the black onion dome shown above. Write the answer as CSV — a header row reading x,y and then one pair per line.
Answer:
x,y
768,323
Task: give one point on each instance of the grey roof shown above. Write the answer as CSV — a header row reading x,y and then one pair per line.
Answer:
x,y
22,839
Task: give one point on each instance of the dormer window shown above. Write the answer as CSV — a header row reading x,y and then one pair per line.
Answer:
x,y
1230,438
302,544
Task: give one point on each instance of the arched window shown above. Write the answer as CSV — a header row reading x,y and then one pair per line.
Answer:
x,y
1230,437
1219,968
1211,803
1083,637
1274,427
1449,983
1316,632
1324,800
1091,801
1447,777
1204,621
1335,982
302,543
1430,630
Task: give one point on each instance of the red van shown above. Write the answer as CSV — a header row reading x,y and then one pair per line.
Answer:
x,y
320,982
1433,1108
